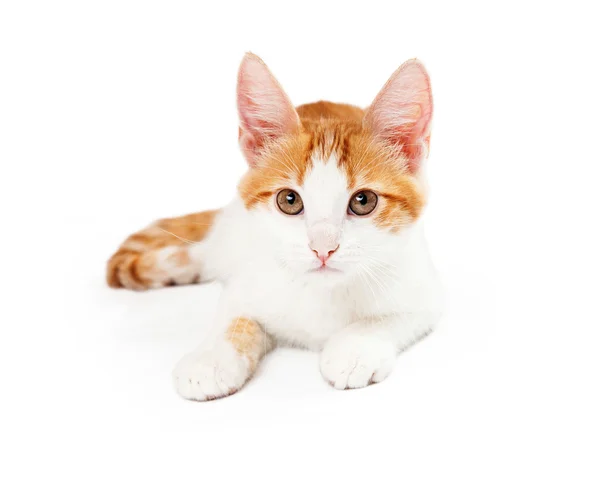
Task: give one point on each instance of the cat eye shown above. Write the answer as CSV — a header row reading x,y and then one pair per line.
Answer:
x,y
289,202
363,202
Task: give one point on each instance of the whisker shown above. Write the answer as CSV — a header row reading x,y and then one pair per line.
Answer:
x,y
178,237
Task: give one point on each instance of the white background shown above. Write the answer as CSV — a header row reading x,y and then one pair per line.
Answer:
x,y
115,113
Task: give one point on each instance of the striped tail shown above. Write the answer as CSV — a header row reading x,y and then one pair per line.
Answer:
x,y
159,255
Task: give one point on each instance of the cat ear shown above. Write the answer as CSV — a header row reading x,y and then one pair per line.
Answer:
x,y
401,113
265,111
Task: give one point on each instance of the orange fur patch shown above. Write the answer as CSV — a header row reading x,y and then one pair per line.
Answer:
x,y
327,129
326,109
135,264
249,339
280,164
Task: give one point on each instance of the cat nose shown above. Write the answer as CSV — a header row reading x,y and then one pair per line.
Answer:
x,y
323,239
324,253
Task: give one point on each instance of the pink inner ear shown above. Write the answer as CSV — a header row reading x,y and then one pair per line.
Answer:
x,y
249,147
265,111
402,111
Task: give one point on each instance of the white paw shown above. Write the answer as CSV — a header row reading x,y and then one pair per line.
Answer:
x,y
210,374
355,361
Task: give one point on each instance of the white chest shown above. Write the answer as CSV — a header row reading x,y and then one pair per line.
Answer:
x,y
299,312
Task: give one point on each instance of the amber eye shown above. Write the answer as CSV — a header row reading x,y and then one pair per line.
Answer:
x,y
289,202
363,202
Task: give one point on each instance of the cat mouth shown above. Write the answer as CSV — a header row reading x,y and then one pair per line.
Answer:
x,y
324,269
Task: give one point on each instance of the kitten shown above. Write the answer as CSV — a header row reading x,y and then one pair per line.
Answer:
x,y
321,248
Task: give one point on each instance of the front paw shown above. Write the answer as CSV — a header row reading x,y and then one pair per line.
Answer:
x,y
211,374
349,362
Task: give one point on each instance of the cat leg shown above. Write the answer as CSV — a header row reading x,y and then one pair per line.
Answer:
x,y
223,366
365,352
161,254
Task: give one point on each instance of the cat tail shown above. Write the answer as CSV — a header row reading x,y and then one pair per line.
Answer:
x,y
163,254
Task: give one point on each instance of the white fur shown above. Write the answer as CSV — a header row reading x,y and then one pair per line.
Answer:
x,y
211,373
354,360
384,298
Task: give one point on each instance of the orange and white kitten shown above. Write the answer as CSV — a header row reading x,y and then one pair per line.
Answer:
x,y
321,248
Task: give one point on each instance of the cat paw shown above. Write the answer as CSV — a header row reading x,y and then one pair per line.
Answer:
x,y
210,374
350,362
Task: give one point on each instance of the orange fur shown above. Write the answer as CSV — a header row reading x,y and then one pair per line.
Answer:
x,y
326,109
249,340
337,129
135,265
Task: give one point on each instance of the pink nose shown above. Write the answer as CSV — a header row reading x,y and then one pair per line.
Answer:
x,y
324,253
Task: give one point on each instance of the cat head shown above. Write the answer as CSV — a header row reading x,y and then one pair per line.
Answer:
x,y
333,187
